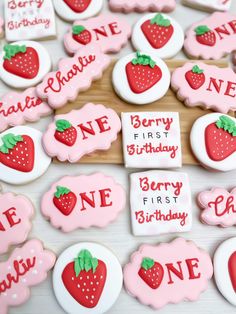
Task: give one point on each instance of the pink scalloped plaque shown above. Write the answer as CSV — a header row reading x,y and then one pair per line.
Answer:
x,y
109,31
215,40
27,266
168,273
79,132
142,5
199,84
219,207
83,202
73,76
16,212
17,108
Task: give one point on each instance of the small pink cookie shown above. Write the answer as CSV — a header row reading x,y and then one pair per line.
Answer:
x,y
219,207
79,132
212,37
142,6
109,31
27,266
73,76
83,202
16,212
17,108
209,5
199,84
168,273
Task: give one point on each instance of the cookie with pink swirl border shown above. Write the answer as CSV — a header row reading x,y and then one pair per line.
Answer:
x,y
211,38
209,5
207,86
168,273
83,202
26,267
142,6
109,31
73,76
219,207
71,136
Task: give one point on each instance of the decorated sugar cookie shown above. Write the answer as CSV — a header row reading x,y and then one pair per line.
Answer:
x,y
26,267
209,5
17,108
22,158
142,6
219,207
168,273
24,64
80,132
1,27
109,31
16,212
73,75
199,84
29,19
82,202
151,139
160,202
213,141
158,34
71,10
87,278
213,37
140,79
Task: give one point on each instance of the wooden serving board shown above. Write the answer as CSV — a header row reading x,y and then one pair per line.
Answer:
x,y
102,92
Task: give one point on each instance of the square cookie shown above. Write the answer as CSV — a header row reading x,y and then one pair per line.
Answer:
x,y
160,202
151,140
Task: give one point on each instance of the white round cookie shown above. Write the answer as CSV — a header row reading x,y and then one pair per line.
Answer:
x,y
41,160
221,269
66,13
122,87
112,287
170,49
20,82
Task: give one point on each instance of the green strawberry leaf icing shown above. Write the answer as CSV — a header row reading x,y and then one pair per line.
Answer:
x,y
12,50
143,60
61,190
201,30
62,125
9,142
226,124
197,70
85,261
78,29
160,20
147,263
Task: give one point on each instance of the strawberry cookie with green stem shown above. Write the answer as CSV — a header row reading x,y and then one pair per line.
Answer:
x,y
141,78
159,34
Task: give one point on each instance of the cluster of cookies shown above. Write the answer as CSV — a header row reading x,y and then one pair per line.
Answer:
x,y
87,277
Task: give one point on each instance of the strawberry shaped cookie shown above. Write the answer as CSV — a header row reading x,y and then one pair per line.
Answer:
x,y
145,78
87,278
158,34
64,200
151,272
24,64
195,77
65,132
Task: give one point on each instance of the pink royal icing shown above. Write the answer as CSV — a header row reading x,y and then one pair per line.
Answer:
x,y
27,266
142,6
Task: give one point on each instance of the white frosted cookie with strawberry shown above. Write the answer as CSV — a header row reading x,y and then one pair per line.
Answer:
x,y
141,78
209,5
24,64
87,278
213,141
71,10
158,34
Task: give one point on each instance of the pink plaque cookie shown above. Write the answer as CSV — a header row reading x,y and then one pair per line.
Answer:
x,y
83,202
219,207
209,5
168,273
79,132
199,84
109,31
17,108
212,37
73,75
27,266
142,6
16,212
